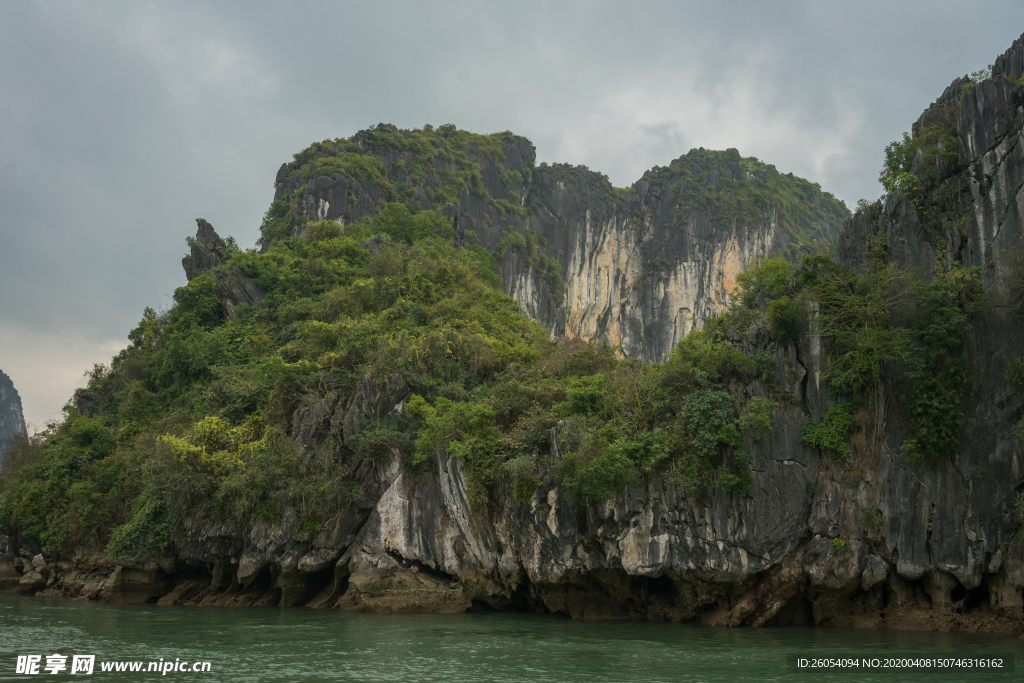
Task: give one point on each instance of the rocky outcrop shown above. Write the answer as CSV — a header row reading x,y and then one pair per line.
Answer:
x,y
638,267
638,272
953,525
875,542
208,253
12,419
796,549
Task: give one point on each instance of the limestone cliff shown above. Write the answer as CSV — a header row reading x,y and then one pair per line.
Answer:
x,y
207,252
878,541
935,553
12,420
638,267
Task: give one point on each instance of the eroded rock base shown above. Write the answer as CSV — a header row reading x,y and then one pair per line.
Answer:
x,y
782,599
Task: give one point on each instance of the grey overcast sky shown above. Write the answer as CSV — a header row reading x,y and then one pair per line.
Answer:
x,y
121,122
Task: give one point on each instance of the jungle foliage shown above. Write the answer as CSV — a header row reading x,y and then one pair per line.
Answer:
x,y
885,326
742,190
935,147
193,420
444,161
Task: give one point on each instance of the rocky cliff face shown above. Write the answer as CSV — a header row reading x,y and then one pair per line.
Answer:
x,y
637,267
12,420
874,542
953,525
207,252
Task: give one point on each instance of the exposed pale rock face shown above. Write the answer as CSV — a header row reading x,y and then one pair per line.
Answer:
x,y
611,293
639,267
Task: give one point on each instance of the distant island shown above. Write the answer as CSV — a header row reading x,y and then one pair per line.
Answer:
x,y
451,379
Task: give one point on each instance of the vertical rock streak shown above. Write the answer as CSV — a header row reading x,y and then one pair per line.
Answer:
x,y
639,267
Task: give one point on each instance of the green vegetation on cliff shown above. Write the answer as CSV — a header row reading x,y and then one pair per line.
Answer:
x,y
938,146
443,161
725,186
194,420
887,327
492,180
200,418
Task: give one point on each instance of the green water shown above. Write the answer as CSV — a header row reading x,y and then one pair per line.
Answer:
x,y
268,644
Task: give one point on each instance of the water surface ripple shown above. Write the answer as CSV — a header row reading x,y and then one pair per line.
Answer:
x,y
269,644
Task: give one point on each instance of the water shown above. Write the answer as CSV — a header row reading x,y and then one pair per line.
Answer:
x,y
268,644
